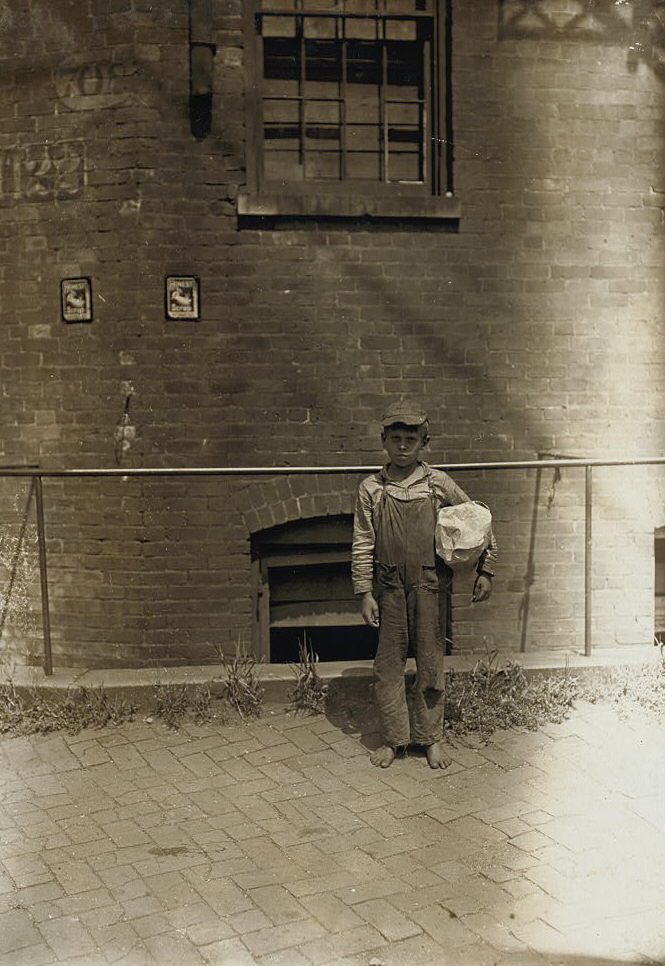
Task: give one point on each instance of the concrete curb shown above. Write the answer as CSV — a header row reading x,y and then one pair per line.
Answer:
x,y
348,679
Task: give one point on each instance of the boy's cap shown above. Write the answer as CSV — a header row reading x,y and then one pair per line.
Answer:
x,y
405,411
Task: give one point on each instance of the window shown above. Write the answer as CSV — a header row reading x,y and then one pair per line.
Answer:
x,y
349,110
302,581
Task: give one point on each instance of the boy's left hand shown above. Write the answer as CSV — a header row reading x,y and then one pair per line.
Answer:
x,y
482,589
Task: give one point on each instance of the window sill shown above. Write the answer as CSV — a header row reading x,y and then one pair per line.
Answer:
x,y
338,206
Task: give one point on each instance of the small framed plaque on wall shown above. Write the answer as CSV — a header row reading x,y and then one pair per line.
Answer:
x,y
182,297
76,299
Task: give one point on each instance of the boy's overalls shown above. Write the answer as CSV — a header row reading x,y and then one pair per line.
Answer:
x,y
411,587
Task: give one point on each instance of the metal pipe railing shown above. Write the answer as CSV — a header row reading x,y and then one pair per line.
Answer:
x,y
41,540
588,524
124,473
290,470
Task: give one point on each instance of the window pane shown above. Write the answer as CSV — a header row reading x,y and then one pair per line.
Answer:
x,y
366,29
283,166
363,105
399,138
363,62
279,27
403,112
405,167
324,27
284,137
323,61
405,64
281,112
364,137
323,112
400,30
283,89
321,166
363,166
315,134
280,58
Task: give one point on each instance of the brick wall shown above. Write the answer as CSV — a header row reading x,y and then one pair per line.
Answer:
x,y
536,327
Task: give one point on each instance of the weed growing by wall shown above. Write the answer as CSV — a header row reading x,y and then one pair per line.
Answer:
x,y
309,694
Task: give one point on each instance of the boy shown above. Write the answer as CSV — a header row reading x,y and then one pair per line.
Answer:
x,y
403,585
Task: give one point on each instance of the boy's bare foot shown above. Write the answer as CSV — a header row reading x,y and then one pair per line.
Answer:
x,y
435,756
383,757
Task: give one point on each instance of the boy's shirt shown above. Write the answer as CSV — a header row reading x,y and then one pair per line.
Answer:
x,y
415,487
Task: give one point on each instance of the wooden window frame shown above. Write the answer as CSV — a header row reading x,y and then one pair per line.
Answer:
x,y
351,198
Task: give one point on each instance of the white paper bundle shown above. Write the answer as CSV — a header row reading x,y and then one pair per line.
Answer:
x,y
462,532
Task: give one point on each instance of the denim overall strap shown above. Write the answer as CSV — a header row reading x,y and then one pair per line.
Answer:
x,y
432,491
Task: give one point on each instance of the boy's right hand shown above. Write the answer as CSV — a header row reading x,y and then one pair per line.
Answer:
x,y
370,609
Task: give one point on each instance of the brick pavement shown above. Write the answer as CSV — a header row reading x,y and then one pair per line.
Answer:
x,y
276,843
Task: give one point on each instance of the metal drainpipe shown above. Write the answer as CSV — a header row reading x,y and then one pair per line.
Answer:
x,y
201,53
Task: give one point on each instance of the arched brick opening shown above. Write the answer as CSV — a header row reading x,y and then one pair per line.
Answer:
x,y
269,503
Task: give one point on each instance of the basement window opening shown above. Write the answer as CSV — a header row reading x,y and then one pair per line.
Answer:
x,y
303,591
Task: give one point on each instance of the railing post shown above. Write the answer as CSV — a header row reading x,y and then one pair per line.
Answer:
x,y
588,518
41,539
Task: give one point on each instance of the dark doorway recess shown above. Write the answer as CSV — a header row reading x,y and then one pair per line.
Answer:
x,y
302,580
329,643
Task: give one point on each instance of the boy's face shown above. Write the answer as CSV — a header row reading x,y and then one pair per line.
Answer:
x,y
403,443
